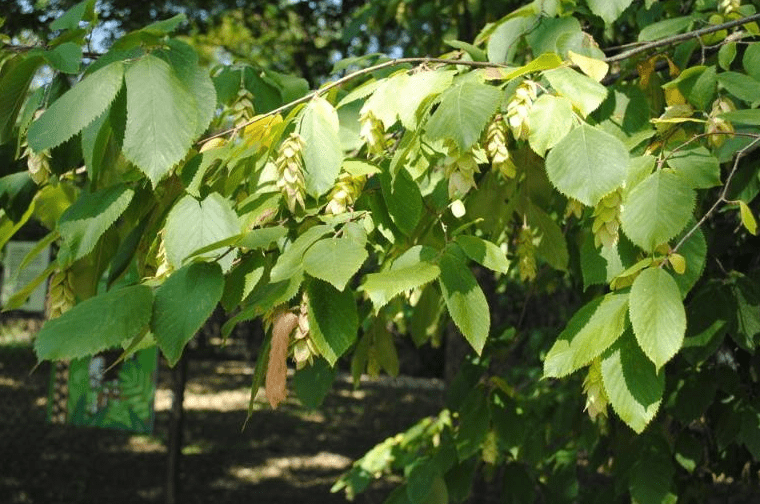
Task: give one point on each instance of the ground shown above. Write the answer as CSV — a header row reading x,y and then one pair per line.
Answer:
x,y
287,455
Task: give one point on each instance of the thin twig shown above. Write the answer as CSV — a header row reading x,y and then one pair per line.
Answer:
x,y
16,48
722,198
696,137
681,37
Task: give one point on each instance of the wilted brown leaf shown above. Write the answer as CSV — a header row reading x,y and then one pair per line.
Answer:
x,y
277,370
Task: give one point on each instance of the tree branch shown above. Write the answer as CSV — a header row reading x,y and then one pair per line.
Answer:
x,y
722,198
680,37
324,89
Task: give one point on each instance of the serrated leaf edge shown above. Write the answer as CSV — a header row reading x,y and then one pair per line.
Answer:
x,y
95,118
646,424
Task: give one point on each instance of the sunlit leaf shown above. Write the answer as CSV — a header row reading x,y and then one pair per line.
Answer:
x,y
162,123
322,155
590,332
657,209
587,164
633,386
463,113
465,300
77,108
657,315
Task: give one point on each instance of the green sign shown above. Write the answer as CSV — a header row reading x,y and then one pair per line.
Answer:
x,y
93,392
15,277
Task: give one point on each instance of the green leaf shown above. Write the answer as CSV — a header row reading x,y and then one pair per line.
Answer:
x,y
199,83
483,252
333,319
740,85
401,96
426,318
241,280
750,117
334,260
698,85
502,44
551,118
77,108
709,313
476,53
183,303
751,60
192,224
162,123
322,155
474,422
554,35
71,18
590,332
262,238
17,196
165,26
599,265
698,166
609,10
66,57
96,324
403,200
584,92
726,55
16,77
746,306
748,220
84,222
264,297
552,246
657,209
694,251
652,475
425,484
587,164
384,349
546,61
465,300
290,261
99,147
360,168
665,28
413,269
657,315
463,113
313,382
633,386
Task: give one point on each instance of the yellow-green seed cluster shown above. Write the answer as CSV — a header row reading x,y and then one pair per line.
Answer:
x,y
518,109
496,147
347,189
289,165
606,224
60,294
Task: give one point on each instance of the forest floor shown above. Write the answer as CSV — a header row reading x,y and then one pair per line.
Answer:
x,y
286,455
